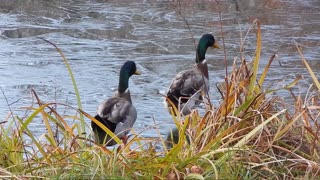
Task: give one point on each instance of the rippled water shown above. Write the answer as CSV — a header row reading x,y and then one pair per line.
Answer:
x,y
98,36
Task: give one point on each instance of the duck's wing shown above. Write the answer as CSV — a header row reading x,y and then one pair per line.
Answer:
x,y
185,84
190,104
114,109
127,122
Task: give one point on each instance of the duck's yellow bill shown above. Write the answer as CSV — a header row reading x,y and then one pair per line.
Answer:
x,y
216,45
137,72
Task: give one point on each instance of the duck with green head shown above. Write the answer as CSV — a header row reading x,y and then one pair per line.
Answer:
x,y
117,113
190,82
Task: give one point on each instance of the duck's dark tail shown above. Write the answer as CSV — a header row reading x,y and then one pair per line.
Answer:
x,y
99,133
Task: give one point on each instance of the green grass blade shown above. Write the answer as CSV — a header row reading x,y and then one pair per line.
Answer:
x,y
24,127
110,133
83,124
36,112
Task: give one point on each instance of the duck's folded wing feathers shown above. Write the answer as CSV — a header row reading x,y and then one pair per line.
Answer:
x,y
186,83
127,122
114,109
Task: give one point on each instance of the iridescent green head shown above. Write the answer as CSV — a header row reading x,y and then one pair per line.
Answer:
x,y
206,41
127,70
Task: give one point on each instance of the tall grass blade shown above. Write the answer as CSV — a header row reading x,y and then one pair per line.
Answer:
x,y
64,123
266,69
83,124
24,127
280,133
252,133
36,112
110,133
46,121
313,76
256,60
247,137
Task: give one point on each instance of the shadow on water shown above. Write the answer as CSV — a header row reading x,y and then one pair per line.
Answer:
x,y
98,36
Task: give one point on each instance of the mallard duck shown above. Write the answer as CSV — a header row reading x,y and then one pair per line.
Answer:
x,y
172,138
117,113
190,82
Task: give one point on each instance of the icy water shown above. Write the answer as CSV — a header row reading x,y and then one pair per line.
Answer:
x,y
98,36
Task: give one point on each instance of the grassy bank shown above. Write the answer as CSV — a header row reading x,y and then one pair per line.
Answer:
x,y
251,134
